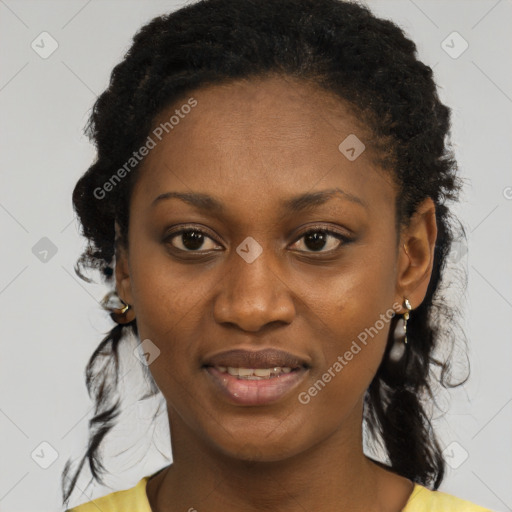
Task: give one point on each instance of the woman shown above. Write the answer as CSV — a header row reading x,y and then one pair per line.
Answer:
x,y
270,204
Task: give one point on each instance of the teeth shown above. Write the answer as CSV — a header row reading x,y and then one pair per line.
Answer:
x,y
262,372
254,373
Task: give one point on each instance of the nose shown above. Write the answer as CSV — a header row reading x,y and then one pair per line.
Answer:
x,y
253,295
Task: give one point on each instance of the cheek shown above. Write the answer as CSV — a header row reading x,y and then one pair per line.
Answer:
x,y
167,302
165,292
356,312
337,389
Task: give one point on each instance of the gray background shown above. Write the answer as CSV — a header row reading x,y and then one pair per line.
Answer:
x,y
51,321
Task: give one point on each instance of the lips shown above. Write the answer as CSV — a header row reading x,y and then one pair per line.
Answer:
x,y
246,377
266,358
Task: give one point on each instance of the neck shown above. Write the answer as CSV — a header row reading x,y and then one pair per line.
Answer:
x,y
332,475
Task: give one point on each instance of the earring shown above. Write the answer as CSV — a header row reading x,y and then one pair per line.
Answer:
x,y
120,314
400,335
125,309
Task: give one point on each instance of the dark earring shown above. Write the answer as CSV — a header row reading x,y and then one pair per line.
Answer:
x,y
400,335
120,312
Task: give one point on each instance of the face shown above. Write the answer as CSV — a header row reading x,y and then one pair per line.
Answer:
x,y
290,246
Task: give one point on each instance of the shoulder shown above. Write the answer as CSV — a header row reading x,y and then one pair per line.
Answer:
x,y
126,500
423,499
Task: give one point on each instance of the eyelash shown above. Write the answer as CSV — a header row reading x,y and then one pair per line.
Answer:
x,y
315,229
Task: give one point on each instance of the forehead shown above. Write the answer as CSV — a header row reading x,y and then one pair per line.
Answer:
x,y
259,140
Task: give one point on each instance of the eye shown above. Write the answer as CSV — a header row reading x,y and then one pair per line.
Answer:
x,y
317,239
191,240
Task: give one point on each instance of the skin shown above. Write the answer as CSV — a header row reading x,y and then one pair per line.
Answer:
x,y
251,145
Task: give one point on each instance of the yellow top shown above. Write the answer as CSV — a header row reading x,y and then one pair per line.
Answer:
x,y
135,500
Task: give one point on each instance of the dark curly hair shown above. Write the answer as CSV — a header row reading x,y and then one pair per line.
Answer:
x,y
371,66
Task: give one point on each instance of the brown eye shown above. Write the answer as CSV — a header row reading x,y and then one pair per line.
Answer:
x,y
191,240
318,239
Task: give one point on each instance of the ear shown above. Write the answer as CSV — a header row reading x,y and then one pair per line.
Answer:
x,y
122,271
416,254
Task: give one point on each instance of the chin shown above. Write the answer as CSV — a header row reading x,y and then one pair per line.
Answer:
x,y
263,448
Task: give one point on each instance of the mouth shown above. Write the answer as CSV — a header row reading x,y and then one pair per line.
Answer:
x,y
246,377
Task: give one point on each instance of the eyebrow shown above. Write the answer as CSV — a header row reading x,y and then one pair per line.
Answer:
x,y
312,199
294,204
